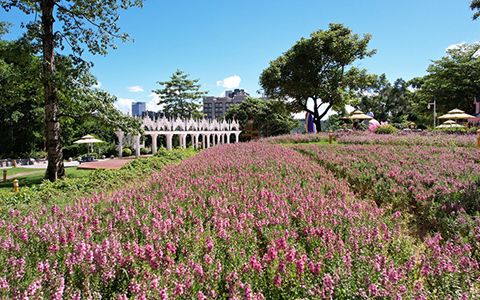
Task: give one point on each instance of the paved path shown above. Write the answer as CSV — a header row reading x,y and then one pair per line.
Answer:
x,y
115,163
22,174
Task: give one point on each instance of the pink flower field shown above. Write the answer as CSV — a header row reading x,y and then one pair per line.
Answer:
x,y
253,221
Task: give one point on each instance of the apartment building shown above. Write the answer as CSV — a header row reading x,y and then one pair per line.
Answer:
x,y
214,107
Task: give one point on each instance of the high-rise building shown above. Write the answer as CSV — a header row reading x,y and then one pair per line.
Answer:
x,y
214,107
138,108
151,114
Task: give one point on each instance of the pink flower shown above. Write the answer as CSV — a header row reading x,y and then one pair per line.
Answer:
x,y
277,281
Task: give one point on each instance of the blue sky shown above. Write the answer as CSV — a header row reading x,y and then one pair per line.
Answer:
x,y
227,44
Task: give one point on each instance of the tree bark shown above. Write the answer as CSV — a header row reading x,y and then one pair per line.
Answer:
x,y
55,168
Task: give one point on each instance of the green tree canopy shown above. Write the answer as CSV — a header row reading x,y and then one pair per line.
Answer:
x,y
392,103
272,117
83,23
475,5
22,102
181,96
453,81
319,69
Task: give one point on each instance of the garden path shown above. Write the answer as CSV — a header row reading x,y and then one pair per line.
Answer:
x,y
23,174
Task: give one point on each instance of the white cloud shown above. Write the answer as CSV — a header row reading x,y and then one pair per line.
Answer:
x,y
230,82
458,46
455,46
152,104
125,105
135,89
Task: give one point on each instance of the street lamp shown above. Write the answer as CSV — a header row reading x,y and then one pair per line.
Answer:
x,y
434,111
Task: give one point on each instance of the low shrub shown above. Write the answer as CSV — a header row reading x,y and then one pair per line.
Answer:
x,y
126,152
38,154
386,129
144,151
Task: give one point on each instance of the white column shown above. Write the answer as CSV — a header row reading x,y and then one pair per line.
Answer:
x,y
183,140
120,142
207,145
236,135
154,142
169,141
137,145
194,140
228,137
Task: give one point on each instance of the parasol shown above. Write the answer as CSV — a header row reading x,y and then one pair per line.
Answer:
x,y
456,114
449,124
358,115
88,139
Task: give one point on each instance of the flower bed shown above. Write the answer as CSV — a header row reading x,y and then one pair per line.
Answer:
x,y
296,138
427,138
242,221
439,186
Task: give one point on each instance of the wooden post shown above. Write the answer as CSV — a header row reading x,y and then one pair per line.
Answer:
x,y
4,175
330,136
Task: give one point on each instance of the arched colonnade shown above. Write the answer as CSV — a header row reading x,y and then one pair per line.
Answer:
x,y
204,131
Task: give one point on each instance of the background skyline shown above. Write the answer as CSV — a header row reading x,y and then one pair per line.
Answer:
x,y
228,45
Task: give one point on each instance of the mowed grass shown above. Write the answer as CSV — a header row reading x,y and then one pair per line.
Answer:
x,y
35,178
19,170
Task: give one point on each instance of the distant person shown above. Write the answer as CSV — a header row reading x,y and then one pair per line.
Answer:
x,y
355,124
370,113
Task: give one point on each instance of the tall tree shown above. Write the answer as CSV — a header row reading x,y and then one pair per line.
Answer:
x,y
475,5
181,96
392,103
319,69
22,112
84,23
272,117
453,81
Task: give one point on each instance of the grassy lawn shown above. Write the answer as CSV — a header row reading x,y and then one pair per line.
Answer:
x,y
14,171
36,178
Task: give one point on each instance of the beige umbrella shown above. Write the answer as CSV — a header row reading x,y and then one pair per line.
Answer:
x,y
456,114
358,115
449,124
88,139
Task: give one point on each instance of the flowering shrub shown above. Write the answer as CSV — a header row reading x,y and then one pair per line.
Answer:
x,y
374,124
296,138
426,138
438,185
241,221
98,180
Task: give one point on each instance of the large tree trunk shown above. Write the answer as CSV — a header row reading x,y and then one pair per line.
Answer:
x,y
55,168
318,124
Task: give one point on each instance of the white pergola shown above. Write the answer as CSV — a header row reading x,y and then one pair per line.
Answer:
x,y
206,130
